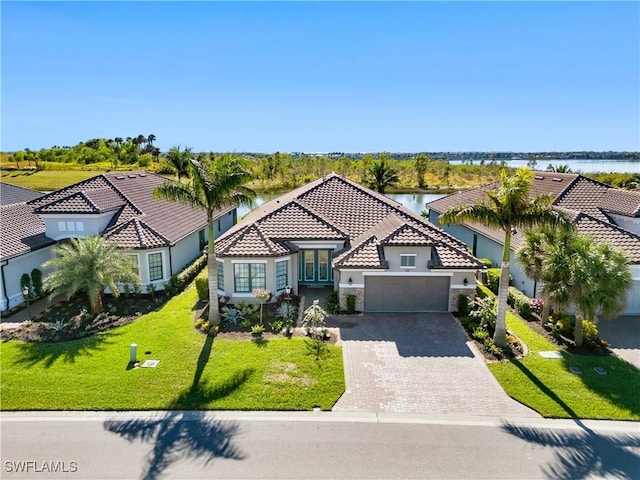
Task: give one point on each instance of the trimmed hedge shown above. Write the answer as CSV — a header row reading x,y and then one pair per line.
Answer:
x,y
180,280
483,291
520,302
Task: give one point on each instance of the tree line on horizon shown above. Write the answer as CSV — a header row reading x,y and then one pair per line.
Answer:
x,y
280,171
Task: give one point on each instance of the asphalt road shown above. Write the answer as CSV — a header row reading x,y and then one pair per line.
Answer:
x,y
311,445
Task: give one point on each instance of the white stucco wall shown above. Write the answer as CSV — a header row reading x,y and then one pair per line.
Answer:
x,y
13,270
91,224
270,272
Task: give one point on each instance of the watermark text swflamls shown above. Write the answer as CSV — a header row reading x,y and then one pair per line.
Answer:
x,y
40,466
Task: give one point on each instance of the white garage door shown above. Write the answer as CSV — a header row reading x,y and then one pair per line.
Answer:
x,y
406,294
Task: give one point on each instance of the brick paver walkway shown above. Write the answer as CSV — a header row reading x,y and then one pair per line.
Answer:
x,y
417,363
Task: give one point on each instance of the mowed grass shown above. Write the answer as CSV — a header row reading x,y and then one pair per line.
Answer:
x,y
195,372
550,388
46,180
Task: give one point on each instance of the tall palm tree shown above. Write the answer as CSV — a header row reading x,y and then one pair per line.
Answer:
x,y
532,255
179,160
593,276
216,182
89,265
510,207
381,175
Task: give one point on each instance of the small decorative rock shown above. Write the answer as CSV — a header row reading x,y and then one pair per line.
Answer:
x,y
551,354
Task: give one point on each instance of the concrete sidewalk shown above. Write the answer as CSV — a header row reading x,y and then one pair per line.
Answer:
x,y
23,315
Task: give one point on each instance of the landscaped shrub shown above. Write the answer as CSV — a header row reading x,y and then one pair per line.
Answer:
x,y
485,310
232,315
25,281
487,262
463,305
493,279
332,304
202,286
520,302
276,326
470,323
589,331
351,304
483,291
562,323
36,280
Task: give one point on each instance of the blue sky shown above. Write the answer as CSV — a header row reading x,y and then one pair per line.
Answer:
x,y
317,77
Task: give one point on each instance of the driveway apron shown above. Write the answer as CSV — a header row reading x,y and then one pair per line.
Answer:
x,y
417,363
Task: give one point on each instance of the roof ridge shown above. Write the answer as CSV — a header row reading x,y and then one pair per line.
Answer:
x,y
71,187
572,184
405,226
123,196
353,251
66,198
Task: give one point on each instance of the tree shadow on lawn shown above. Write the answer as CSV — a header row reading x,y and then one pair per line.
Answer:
x,y
609,386
32,353
620,385
180,435
584,453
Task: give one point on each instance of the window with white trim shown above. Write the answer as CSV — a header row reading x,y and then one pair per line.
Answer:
x,y
249,276
62,226
282,274
408,260
220,274
155,266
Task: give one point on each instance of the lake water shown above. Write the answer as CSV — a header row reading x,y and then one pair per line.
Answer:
x,y
416,201
577,166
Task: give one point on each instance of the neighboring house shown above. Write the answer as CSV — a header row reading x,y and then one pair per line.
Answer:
x,y
605,213
163,236
334,232
24,246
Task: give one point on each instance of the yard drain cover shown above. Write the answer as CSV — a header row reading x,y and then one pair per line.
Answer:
x,y
150,364
551,354
576,370
600,370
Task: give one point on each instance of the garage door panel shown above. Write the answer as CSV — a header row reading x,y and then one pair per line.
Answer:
x,y
406,294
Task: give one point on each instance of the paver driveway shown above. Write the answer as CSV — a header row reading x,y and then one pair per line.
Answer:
x,y
417,363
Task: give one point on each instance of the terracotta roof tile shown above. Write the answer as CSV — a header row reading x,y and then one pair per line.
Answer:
x,y
21,231
584,201
366,255
10,194
337,209
135,234
624,202
299,223
615,236
250,242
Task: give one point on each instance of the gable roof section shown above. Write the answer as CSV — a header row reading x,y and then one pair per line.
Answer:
x,y
135,234
130,195
10,194
335,208
586,202
21,231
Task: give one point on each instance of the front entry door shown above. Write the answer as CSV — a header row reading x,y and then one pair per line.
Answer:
x,y
315,267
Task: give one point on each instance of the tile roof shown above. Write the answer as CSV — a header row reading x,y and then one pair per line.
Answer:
x,y
10,194
335,208
140,220
586,202
21,231
135,234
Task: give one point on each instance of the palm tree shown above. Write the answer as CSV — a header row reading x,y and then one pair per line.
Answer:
x,y
533,253
216,182
559,168
89,265
511,207
381,175
592,276
179,160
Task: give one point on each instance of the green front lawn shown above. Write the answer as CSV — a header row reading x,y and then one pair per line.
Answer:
x,y
194,371
547,385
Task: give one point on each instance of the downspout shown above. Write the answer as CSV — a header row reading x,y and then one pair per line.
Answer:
x,y
4,283
170,263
